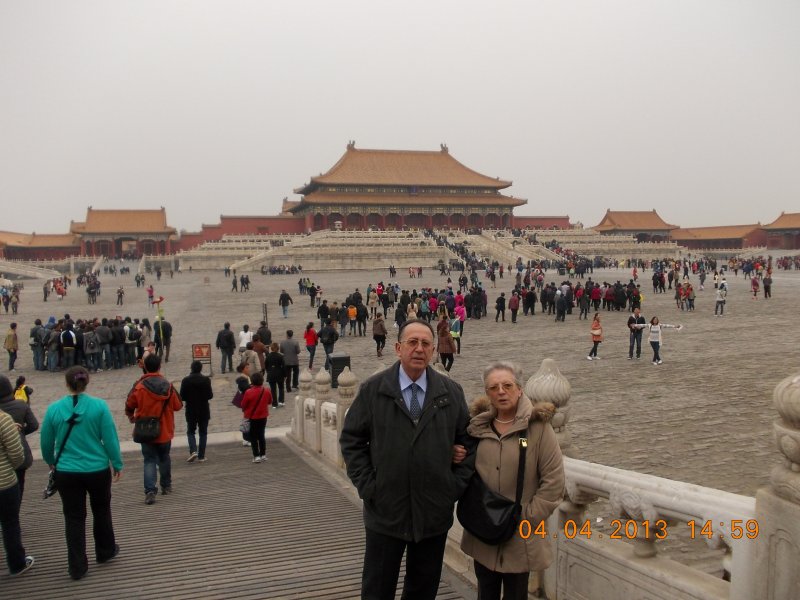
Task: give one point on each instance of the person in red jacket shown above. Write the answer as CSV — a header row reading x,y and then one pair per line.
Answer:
x,y
152,395
255,408
312,339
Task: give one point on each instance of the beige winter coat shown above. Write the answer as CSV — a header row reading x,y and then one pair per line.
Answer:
x,y
497,464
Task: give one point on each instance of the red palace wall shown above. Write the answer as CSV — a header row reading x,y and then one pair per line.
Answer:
x,y
240,226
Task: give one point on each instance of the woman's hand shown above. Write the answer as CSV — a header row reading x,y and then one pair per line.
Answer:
x,y
459,453
116,475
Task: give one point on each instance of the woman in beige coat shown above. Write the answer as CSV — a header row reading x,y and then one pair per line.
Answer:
x,y
497,419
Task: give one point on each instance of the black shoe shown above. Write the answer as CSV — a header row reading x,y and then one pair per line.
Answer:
x,y
166,491
150,498
76,575
29,560
101,561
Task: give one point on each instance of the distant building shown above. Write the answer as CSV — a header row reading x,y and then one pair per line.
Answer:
x,y
644,225
784,232
393,189
727,236
124,232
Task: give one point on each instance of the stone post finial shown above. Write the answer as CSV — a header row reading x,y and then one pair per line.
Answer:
x,y
322,385
549,385
785,478
347,387
306,381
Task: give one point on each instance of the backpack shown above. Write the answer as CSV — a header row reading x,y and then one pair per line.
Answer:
x,y
455,328
134,334
21,394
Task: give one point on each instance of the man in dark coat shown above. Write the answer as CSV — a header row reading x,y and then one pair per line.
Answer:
x,y
398,442
196,392
226,344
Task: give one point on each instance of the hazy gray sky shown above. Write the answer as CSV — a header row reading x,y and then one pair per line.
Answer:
x,y
691,107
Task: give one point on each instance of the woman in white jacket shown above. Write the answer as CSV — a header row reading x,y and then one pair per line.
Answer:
x,y
655,336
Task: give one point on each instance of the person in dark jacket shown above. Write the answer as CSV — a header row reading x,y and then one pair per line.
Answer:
x,y
26,422
226,343
276,371
327,337
398,443
196,392
163,337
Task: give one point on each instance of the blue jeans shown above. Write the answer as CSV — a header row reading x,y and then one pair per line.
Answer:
x,y
68,354
118,352
52,360
227,357
12,534
157,454
328,349
108,358
311,351
38,358
93,361
285,310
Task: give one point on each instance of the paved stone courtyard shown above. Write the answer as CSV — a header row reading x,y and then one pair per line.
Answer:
x,y
703,416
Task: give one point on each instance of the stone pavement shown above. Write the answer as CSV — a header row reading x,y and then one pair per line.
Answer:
x,y
230,529
703,416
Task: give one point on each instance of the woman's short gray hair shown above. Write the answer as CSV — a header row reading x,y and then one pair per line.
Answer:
x,y
504,365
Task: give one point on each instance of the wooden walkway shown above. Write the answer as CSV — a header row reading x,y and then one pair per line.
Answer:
x,y
230,529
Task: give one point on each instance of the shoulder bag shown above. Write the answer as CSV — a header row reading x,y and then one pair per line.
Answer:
x,y
489,516
147,429
51,487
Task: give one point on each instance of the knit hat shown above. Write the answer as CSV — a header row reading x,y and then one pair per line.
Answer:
x,y
6,391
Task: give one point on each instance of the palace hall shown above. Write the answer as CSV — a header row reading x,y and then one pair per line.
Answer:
x,y
393,189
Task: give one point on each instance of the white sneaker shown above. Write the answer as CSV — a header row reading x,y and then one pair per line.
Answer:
x,y
597,358
192,457
245,443
659,362
263,458
257,459
588,358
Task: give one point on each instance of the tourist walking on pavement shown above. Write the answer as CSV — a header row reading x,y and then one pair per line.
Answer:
x,y
513,306
276,371
636,323
596,331
379,332
79,441
290,348
721,297
328,337
255,408
446,346
11,345
500,306
284,300
226,343
12,457
245,336
196,392
311,339
656,329
154,396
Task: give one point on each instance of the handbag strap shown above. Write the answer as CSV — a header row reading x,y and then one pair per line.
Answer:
x,y
164,406
523,447
71,421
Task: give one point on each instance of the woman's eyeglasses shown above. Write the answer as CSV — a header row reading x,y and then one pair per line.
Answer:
x,y
507,387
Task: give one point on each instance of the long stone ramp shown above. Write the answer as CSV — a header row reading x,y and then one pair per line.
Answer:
x,y
230,529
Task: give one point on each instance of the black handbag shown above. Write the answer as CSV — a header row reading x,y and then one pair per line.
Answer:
x,y
489,516
52,487
147,429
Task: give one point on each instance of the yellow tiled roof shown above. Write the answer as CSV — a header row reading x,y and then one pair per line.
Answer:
x,y
123,221
724,232
785,221
403,167
632,220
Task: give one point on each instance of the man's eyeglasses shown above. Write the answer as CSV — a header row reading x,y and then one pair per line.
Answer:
x,y
414,342
497,386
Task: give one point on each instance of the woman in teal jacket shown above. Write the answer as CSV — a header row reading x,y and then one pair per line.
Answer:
x,y
83,466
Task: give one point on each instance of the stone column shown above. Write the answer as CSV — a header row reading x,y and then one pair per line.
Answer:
x,y
322,389
775,570
348,386
306,381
